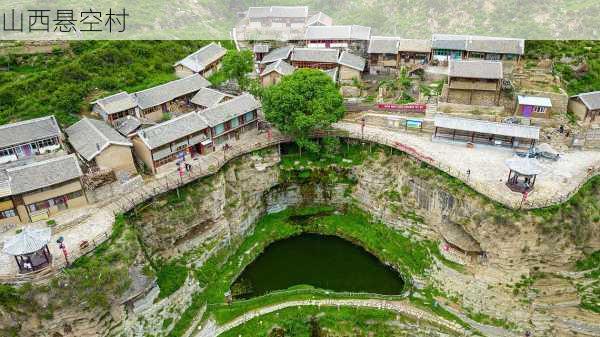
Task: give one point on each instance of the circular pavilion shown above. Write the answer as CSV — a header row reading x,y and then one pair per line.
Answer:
x,y
522,174
30,249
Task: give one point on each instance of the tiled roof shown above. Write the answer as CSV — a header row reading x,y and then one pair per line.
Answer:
x,y
127,125
282,53
208,97
350,32
447,41
498,45
475,125
29,240
278,12
28,131
42,174
89,137
590,99
353,61
475,69
232,108
170,90
383,45
325,55
487,44
203,57
415,45
172,130
281,67
320,18
116,103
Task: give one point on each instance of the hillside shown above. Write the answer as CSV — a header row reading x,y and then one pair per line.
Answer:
x,y
65,82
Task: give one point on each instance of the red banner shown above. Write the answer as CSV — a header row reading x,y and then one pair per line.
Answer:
x,y
413,107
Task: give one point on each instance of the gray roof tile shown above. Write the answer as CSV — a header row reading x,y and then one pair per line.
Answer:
x,y
28,131
203,57
350,32
281,67
172,130
232,108
326,55
475,125
166,92
282,53
475,69
320,18
116,103
591,99
208,97
127,125
383,45
42,174
353,61
89,137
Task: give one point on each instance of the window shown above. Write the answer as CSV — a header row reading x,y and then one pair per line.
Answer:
x,y
7,152
442,52
249,116
38,206
234,123
74,195
219,129
9,213
539,109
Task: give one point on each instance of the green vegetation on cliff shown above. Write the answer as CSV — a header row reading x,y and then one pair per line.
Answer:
x,y
66,82
576,62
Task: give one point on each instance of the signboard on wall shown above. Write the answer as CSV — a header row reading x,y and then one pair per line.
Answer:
x,y
412,107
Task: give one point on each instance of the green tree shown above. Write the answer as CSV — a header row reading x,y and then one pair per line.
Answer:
x,y
237,65
301,103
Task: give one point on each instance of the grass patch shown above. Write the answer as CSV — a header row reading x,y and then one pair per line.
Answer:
x,y
170,277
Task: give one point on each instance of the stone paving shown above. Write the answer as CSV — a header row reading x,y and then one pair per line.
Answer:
x,y
558,181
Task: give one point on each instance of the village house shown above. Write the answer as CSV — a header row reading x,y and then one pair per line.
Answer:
x,y
446,47
317,58
207,98
387,54
205,61
474,82
351,67
36,190
414,51
273,72
115,107
533,106
277,16
182,137
101,147
128,126
171,97
278,54
260,50
585,105
354,37
484,132
29,138
230,119
383,54
319,19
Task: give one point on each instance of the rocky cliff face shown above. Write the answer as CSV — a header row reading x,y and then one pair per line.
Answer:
x,y
215,210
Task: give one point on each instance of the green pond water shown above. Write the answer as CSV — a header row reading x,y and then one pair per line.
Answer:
x,y
326,262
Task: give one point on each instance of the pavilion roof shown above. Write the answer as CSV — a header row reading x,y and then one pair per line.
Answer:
x,y
524,166
30,240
